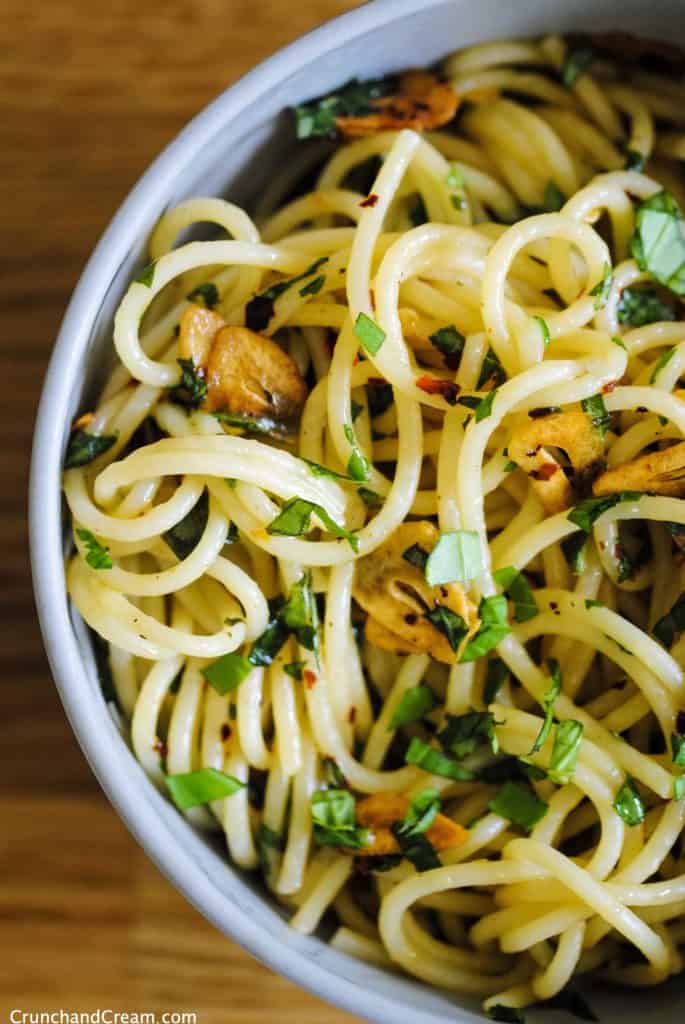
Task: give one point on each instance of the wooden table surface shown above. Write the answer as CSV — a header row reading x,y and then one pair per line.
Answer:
x,y
90,93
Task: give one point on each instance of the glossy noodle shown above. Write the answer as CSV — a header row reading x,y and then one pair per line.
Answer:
x,y
380,517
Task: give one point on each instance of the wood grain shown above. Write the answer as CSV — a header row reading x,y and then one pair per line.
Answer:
x,y
89,94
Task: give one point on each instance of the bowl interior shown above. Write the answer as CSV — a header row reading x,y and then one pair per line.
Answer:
x,y
229,151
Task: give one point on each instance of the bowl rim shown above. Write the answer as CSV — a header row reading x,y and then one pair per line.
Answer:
x,y
45,529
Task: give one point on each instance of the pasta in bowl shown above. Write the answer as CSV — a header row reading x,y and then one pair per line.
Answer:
x,y
380,517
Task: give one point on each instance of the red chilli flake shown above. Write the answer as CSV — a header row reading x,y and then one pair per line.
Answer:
x,y
310,678
609,387
160,747
547,470
352,715
370,200
436,386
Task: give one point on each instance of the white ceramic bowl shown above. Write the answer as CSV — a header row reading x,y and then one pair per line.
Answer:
x,y
228,150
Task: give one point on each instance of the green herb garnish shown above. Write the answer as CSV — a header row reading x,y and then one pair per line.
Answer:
x,y
414,704
658,244
184,536
228,672
84,447
628,804
433,761
517,588
189,789
548,700
568,736
294,519
335,822
457,556
97,556
520,804
207,293
641,306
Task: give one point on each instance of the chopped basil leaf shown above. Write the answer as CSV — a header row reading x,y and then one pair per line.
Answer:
x,y
548,700
470,401
577,62
575,552
431,760
356,409
493,628
450,342
658,244
316,469
414,704
184,536
228,672
267,841
268,644
589,603
553,199
334,817
191,390
369,498
84,447
355,99
678,749
465,733
510,467
189,789
447,622
358,465
618,341
410,833
515,584
628,804
415,555
484,407
146,275
491,369
455,183
520,804
496,674
568,736
380,397
97,555
208,293
294,669
667,628
600,292
369,333
260,309
587,512
544,329
662,361
300,614
679,787
422,812
294,519
457,556
641,306
597,412
314,286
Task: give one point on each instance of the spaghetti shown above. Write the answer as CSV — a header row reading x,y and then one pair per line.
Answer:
x,y
380,516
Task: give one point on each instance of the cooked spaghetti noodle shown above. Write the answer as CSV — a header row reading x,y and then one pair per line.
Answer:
x,y
381,513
